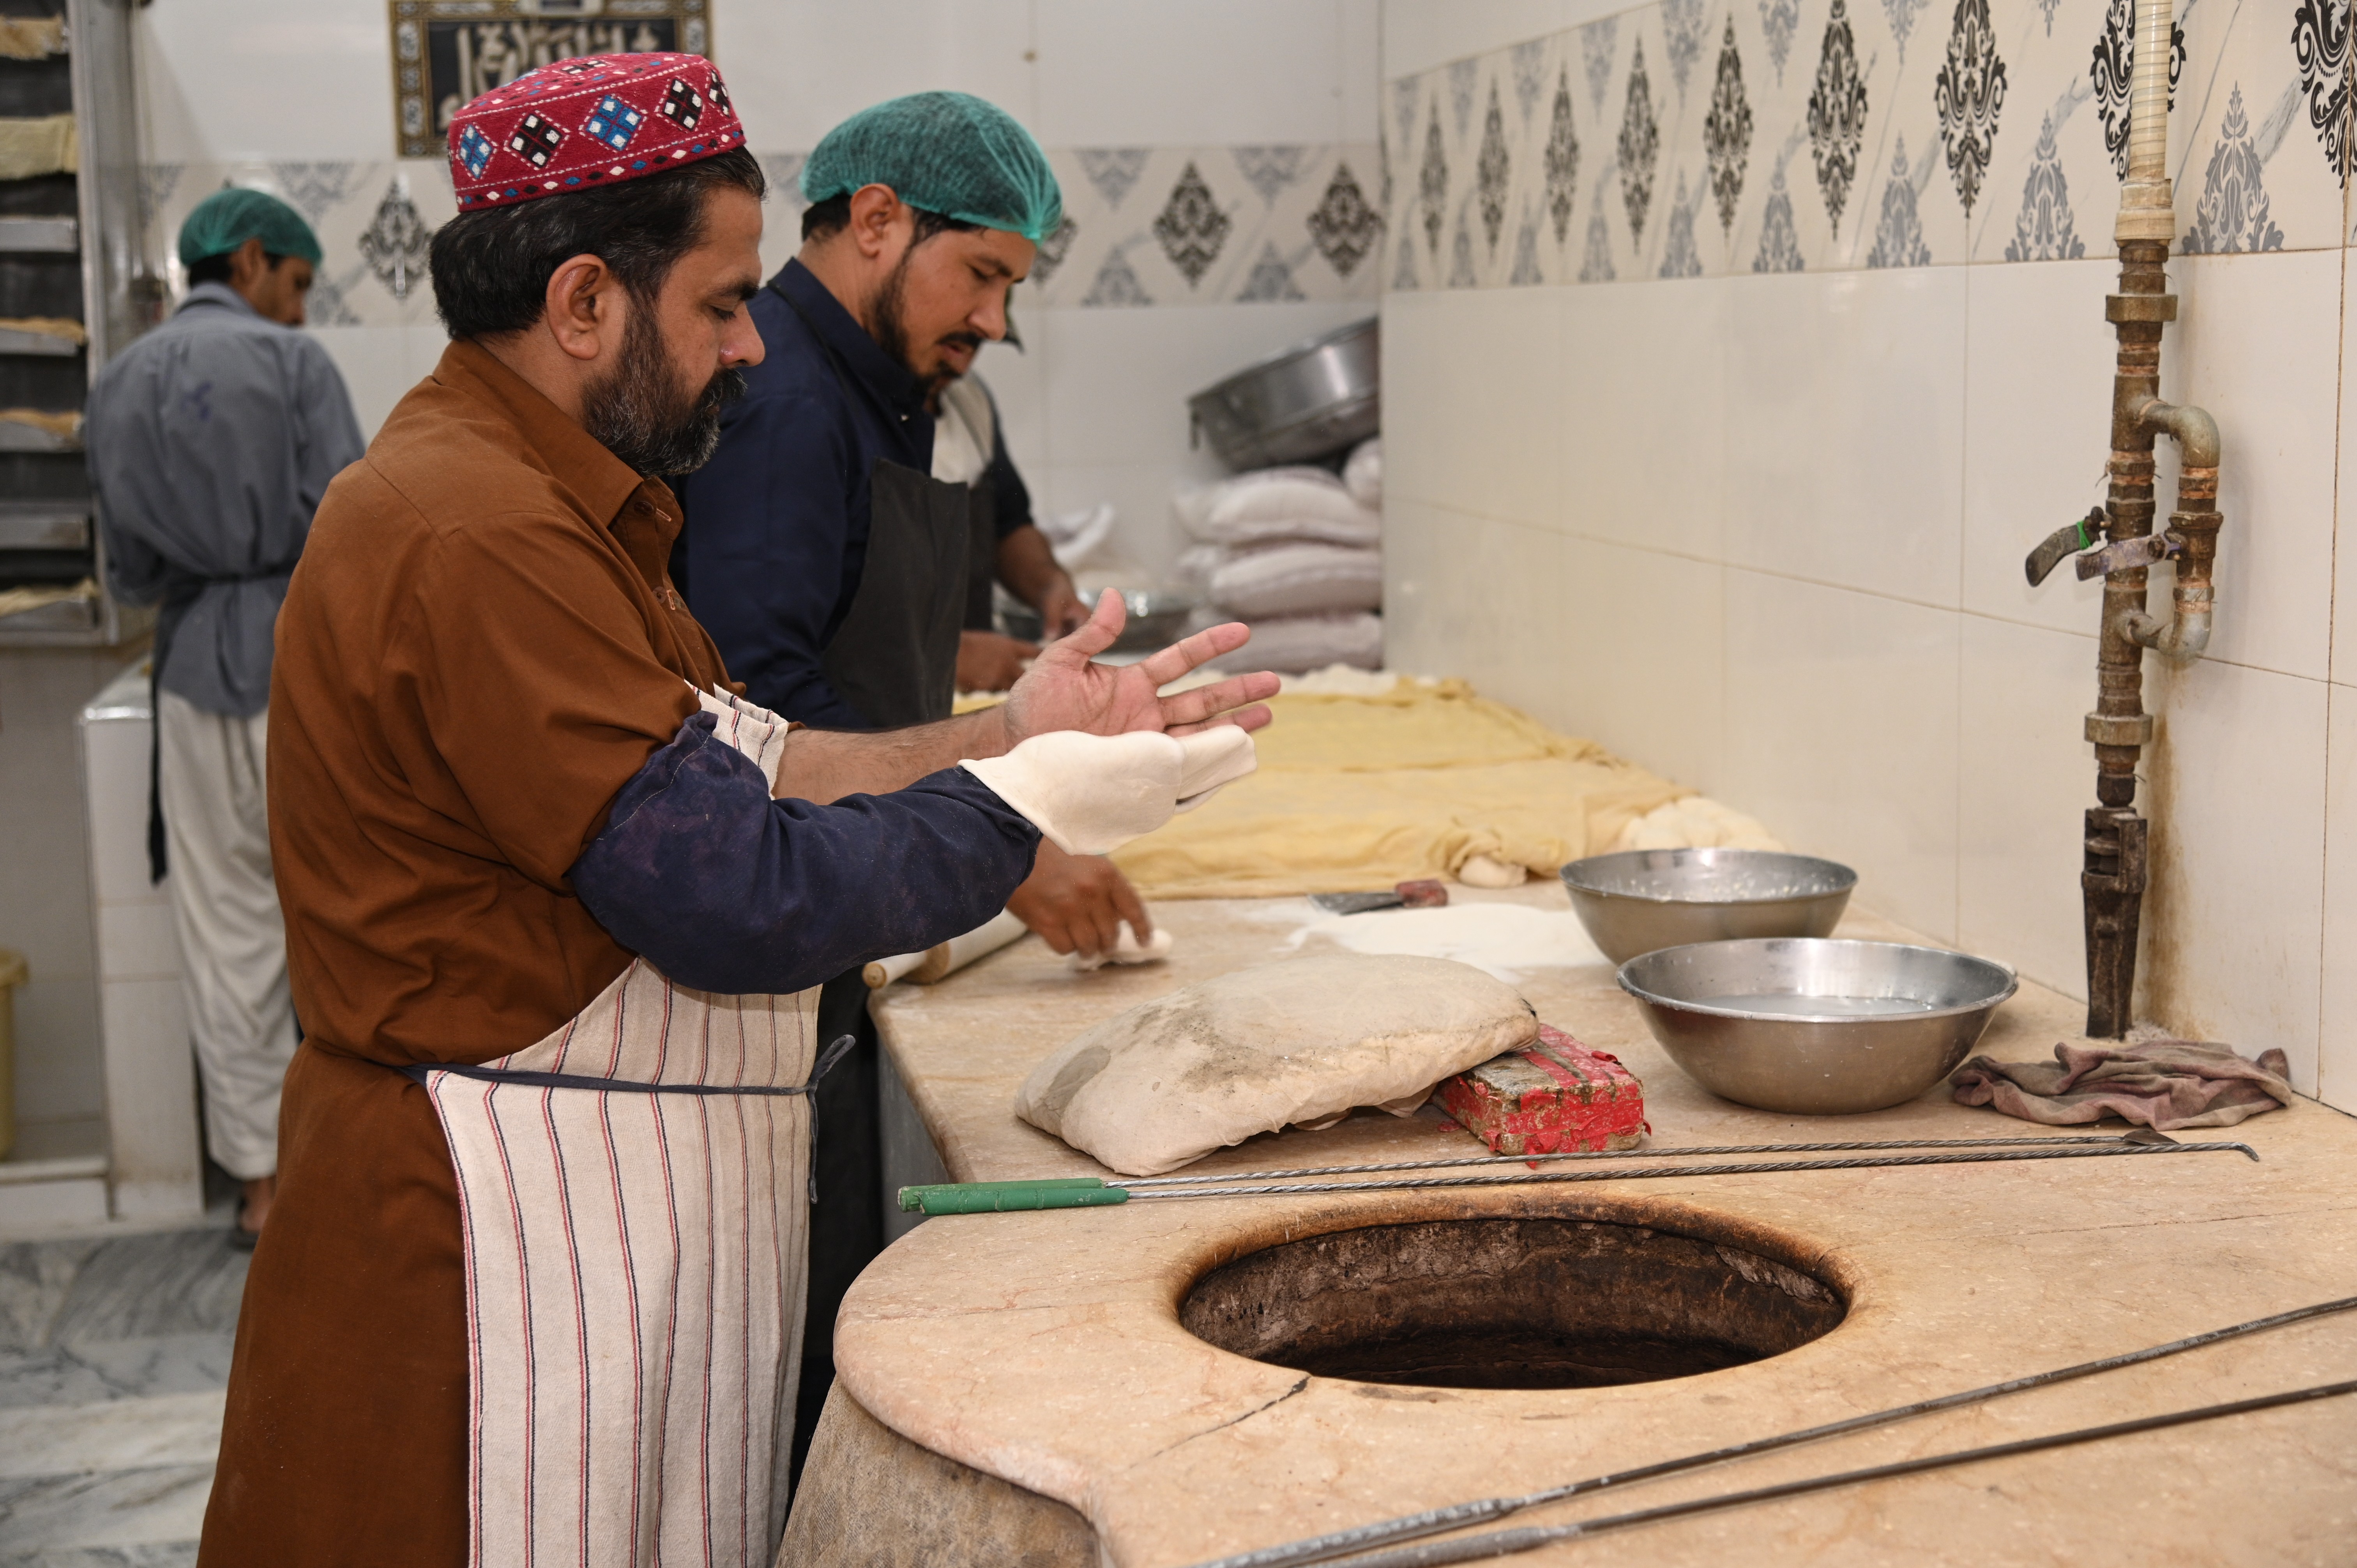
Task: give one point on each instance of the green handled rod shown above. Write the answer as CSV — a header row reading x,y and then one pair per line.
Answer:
x,y
1088,1192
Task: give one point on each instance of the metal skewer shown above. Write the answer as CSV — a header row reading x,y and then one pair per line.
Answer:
x,y
1090,1192
1458,1516
2140,1136
1507,1542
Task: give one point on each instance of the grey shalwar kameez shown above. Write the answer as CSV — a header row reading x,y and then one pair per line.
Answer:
x,y
211,440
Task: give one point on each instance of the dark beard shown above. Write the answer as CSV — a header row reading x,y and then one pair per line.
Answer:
x,y
638,414
892,331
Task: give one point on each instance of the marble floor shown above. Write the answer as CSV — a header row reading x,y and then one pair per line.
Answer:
x,y
113,1353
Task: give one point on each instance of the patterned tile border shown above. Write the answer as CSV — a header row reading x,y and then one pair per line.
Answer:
x,y
1144,226
1691,138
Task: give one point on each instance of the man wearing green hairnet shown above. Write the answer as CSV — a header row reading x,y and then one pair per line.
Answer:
x,y
831,566
211,440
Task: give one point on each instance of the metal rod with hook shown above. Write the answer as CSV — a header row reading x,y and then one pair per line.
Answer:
x,y
1459,1516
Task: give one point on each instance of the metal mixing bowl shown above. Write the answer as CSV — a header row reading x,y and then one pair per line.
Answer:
x,y
1645,898
1815,1027
1298,405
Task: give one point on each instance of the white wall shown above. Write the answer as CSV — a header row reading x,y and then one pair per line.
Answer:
x,y
1094,404
1763,530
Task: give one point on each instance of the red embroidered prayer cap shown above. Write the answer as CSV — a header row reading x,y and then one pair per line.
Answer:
x,y
585,122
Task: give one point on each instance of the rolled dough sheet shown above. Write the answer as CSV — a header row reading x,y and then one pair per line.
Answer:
x,y
1501,939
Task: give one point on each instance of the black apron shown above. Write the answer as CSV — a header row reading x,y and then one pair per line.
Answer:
x,y
894,659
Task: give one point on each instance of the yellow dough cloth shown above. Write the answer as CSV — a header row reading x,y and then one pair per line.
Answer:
x,y
1355,793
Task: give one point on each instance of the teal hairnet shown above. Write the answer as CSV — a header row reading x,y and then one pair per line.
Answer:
x,y
229,218
949,153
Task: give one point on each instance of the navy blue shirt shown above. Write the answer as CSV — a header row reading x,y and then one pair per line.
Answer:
x,y
725,889
776,525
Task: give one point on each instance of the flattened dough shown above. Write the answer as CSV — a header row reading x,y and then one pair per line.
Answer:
x,y
1260,1049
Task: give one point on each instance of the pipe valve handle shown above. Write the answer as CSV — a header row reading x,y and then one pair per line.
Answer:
x,y
2063,542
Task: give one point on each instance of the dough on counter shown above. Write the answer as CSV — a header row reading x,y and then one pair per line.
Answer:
x,y
1126,949
1262,1049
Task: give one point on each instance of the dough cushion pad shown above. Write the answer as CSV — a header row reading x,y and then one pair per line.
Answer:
x,y
1261,1049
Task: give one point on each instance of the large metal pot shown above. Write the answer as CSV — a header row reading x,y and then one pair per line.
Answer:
x,y
1297,406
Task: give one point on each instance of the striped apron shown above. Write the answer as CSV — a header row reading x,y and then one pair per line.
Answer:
x,y
632,1198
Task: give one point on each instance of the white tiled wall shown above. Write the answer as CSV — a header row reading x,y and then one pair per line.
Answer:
x,y
1268,102
1777,517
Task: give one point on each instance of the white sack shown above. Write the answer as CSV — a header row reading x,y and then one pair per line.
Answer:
x,y
1292,645
1298,579
1193,569
1261,1049
1272,504
1362,475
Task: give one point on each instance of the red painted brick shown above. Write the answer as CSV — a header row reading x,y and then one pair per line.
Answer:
x,y
1549,1096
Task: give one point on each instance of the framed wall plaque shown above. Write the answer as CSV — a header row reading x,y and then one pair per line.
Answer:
x,y
446,52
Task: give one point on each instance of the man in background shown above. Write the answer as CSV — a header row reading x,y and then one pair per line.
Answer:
x,y
211,440
833,564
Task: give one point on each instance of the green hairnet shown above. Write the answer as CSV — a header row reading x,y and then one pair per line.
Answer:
x,y
948,153
230,216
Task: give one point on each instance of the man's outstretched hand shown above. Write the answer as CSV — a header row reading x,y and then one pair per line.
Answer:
x,y
1065,690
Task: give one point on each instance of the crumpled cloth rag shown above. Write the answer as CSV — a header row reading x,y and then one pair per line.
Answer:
x,y
2165,1084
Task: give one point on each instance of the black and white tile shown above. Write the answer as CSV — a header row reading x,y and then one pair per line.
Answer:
x,y
1857,135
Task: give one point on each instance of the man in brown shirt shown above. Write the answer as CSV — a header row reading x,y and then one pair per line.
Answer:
x,y
478,653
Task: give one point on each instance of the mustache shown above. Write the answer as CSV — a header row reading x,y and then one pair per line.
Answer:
x,y
725,388
972,340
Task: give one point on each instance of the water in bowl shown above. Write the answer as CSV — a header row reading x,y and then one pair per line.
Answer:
x,y
1818,1006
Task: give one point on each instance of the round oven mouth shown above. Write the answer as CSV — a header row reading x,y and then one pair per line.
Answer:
x,y
1510,1304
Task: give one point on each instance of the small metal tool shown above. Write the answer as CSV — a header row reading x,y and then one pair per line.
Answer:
x,y
1425,893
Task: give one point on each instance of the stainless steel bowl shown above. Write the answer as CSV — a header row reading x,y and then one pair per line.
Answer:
x,y
1815,1027
1645,898
1297,406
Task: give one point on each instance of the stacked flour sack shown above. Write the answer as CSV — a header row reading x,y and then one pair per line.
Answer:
x,y
1296,555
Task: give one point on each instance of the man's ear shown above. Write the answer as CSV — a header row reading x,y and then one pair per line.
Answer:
x,y
583,309
876,213
247,263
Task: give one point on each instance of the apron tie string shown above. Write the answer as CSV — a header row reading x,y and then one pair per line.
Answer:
x,y
836,1051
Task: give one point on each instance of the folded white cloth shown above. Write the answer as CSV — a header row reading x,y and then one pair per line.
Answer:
x,y
1090,794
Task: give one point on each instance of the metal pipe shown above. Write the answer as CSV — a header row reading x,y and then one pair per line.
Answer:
x,y
2194,534
2114,869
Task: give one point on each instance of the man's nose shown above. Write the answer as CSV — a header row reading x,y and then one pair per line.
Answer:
x,y
990,320
742,344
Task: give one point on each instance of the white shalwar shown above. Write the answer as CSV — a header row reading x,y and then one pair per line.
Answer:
x,y
232,937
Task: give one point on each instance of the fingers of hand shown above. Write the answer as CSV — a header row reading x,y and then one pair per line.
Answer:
x,y
1209,702
1128,905
1189,652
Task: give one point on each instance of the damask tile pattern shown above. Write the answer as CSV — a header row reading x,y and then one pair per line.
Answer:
x,y
1144,226
1844,135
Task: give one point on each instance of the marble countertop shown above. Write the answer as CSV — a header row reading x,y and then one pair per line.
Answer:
x,y
1045,1348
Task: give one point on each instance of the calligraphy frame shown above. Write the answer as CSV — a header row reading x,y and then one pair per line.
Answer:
x,y
445,51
